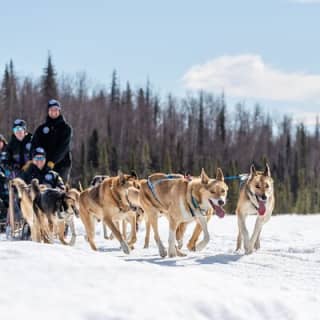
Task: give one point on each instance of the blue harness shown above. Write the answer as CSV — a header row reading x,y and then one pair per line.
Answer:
x,y
152,185
241,177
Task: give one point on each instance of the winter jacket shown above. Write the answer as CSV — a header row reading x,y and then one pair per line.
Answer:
x,y
55,137
18,152
45,176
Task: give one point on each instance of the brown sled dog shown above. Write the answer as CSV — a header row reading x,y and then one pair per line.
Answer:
x,y
181,201
26,204
108,202
256,197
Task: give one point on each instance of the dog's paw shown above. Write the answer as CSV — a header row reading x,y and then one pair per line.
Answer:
x,y
248,251
191,246
163,252
172,254
180,253
125,247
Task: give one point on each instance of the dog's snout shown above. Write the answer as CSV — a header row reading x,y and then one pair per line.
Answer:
x,y
264,197
221,202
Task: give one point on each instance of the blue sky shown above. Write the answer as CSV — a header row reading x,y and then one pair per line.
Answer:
x,y
256,51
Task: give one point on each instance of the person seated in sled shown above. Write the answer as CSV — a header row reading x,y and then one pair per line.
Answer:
x,y
38,169
4,173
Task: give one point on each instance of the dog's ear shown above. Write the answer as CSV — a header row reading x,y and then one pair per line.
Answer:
x,y
134,174
136,184
122,179
67,186
267,171
253,171
204,177
220,176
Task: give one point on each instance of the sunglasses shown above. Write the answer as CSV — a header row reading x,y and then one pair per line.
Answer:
x,y
39,158
17,129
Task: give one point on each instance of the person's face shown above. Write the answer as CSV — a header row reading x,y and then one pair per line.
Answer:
x,y
54,112
39,161
19,133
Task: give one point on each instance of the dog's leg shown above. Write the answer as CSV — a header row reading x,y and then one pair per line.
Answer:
x,y
244,232
89,225
60,231
196,233
73,231
105,232
46,232
206,237
256,233
257,243
124,230
147,235
180,233
153,218
117,224
133,233
239,240
172,252
115,231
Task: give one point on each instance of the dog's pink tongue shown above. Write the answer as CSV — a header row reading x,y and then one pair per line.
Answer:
x,y
219,211
262,208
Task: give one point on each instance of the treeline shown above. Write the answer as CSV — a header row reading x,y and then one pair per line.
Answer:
x,y
135,129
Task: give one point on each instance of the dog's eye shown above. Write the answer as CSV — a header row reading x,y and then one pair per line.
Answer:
x,y
223,191
267,186
257,186
213,192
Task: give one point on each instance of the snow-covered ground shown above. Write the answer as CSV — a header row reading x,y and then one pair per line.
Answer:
x,y
281,281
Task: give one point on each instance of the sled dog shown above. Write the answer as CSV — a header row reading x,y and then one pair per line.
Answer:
x,y
256,197
107,201
181,201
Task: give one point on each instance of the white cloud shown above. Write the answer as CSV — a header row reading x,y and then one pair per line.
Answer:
x,y
248,76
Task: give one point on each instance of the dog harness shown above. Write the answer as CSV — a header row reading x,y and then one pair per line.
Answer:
x,y
132,207
243,177
152,185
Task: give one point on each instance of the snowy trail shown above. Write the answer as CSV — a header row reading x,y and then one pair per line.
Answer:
x,y
281,281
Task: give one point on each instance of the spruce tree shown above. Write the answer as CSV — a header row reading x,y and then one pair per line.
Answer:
x,y
93,152
49,88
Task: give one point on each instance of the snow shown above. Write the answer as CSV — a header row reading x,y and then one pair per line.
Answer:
x,y
281,281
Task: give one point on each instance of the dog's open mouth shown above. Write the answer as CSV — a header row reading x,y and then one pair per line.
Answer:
x,y
219,210
262,206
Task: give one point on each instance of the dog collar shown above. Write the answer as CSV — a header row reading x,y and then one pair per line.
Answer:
x,y
132,207
116,198
195,205
252,195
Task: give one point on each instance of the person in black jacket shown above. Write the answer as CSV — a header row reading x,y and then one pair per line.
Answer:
x,y
18,149
55,137
37,169
3,152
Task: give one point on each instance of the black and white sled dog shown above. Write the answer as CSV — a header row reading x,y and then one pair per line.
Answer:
x,y
54,209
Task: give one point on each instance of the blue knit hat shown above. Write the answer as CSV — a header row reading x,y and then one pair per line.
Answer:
x,y
54,103
19,123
